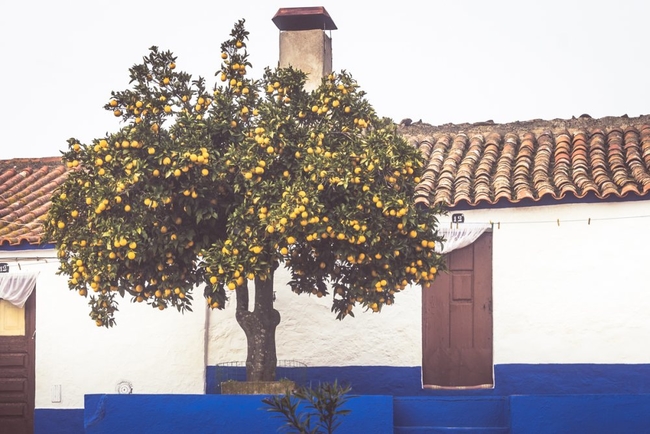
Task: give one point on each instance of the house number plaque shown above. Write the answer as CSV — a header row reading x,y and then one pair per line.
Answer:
x,y
457,218
4,267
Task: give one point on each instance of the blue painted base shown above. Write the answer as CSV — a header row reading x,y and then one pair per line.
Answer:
x,y
467,412
593,414
523,414
565,393
233,414
377,414
512,379
59,421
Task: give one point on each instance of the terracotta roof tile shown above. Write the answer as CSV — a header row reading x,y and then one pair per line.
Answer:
x,y
473,164
26,186
482,164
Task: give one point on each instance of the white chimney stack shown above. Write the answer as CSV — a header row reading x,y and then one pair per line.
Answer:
x,y
304,43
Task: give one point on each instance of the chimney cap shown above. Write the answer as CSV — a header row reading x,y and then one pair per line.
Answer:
x,y
309,18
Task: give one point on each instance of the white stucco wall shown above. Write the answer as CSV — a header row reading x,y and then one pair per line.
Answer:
x,y
158,352
310,333
573,293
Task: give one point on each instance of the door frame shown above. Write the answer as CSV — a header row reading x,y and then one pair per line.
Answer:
x,y
435,337
30,346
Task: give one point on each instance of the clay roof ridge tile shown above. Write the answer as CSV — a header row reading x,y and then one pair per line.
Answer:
x,y
634,160
425,148
29,183
5,176
11,183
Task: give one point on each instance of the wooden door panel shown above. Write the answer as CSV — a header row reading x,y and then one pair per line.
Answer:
x,y
460,326
13,385
12,320
460,368
12,410
15,425
461,286
10,359
461,259
435,317
457,320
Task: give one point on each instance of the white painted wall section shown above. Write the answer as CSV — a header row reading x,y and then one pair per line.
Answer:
x,y
573,293
576,292
568,293
158,352
310,333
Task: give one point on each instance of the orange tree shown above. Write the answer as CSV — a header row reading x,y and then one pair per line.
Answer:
x,y
218,188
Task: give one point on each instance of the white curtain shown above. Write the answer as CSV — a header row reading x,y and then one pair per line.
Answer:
x,y
17,287
457,238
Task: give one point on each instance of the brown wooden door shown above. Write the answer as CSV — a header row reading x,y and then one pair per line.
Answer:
x,y
457,320
17,367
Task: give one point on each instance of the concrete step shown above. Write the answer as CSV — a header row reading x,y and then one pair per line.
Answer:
x,y
451,412
450,430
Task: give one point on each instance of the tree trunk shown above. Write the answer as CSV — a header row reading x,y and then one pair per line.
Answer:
x,y
259,326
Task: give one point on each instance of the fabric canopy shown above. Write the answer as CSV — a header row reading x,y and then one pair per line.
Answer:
x,y
457,238
17,287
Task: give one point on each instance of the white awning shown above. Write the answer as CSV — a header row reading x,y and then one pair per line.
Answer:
x,y
457,238
17,287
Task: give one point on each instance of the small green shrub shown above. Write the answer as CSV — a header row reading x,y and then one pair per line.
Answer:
x,y
301,407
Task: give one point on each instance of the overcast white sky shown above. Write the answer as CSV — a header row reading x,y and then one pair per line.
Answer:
x,y
441,61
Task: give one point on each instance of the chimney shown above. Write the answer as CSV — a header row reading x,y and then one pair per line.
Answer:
x,y
304,44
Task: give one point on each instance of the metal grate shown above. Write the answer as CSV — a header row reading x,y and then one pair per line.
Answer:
x,y
293,370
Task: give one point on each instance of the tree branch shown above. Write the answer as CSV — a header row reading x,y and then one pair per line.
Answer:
x,y
264,293
242,297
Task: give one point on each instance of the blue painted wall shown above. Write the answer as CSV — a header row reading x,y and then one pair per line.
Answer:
x,y
26,246
512,379
515,379
446,411
524,414
593,414
59,421
196,414
517,414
